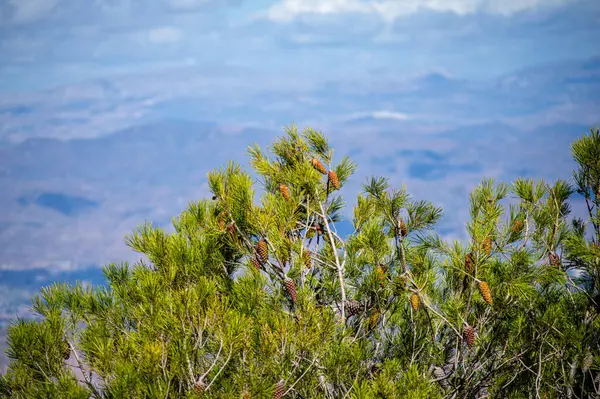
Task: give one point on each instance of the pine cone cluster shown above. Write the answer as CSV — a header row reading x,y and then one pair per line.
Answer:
x,y
352,307
469,335
262,251
333,179
414,301
318,166
484,289
469,263
290,288
285,191
279,390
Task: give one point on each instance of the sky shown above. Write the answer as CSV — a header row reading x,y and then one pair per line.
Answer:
x,y
45,43
113,111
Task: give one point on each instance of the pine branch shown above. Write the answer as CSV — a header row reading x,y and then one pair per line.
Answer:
x,y
301,376
88,380
222,367
338,265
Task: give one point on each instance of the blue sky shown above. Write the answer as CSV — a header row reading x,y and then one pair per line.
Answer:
x,y
113,111
52,42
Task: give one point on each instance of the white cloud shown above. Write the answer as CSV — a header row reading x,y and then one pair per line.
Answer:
x,y
31,10
287,10
165,35
382,114
389,115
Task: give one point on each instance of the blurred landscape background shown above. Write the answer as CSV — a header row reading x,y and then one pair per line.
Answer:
x,y
113,111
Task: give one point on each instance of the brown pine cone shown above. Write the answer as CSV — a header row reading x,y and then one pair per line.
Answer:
x,y
469,263
487,245
255,262
402,227
352,307
469,335
333,179
554,259
290,288
484,289
199,387
414,301
262,250
285,191
517,226
279,390
318,166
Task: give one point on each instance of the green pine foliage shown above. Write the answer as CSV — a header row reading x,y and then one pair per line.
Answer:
x,y
391,311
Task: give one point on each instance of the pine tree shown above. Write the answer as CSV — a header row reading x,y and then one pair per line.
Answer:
x,y
257,299
581,259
